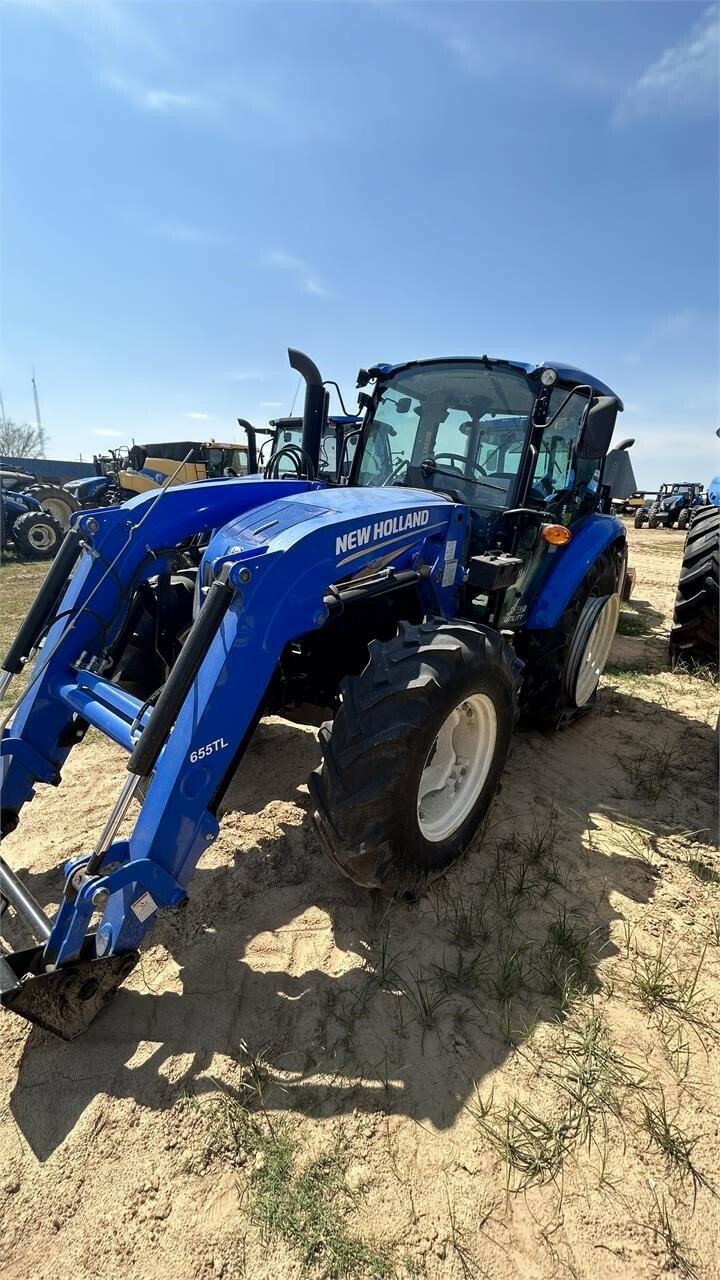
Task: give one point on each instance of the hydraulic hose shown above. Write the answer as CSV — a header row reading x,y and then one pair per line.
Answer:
x,y
178,684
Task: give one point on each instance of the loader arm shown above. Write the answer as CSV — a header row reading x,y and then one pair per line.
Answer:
x,y
266,578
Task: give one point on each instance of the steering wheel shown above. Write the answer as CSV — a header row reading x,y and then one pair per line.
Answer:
x,y
389,479
458,463
229,471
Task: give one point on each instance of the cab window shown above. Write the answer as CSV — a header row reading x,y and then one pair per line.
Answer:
x,y
214,462
552,468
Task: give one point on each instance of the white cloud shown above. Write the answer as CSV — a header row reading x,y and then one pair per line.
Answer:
x,y
304,276
157,100
102,23
682,81
311,285
105,431
286,261
198,417
184,233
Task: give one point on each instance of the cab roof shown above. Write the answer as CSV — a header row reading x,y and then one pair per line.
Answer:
x,y
568,375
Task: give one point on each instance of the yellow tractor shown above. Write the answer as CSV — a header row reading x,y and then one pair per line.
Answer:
x,y
150,465
123,473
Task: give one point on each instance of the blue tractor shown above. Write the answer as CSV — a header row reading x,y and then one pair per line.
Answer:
x,y
26,527
674,504
465,575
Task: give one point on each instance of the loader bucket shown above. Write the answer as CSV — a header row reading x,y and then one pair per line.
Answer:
x,y
64,1001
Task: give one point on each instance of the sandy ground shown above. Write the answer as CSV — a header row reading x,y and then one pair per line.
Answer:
x,y
444,1045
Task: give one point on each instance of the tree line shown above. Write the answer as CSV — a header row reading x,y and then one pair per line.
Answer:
x,y
21,439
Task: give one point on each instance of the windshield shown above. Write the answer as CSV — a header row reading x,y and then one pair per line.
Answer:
x,y
328,460
470,418
461,427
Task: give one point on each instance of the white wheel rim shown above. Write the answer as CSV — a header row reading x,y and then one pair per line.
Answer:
x,y
457,767
597,651
58,509
40,537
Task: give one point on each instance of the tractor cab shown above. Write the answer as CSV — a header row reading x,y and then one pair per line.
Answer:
x,y
492,434
337,447
522,446
670,494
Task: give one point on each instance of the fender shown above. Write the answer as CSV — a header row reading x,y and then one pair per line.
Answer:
x,y
572,563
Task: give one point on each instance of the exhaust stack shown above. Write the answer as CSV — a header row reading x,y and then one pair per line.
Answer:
x,y
316,406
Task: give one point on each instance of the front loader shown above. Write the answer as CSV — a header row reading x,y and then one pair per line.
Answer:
x,y
467,576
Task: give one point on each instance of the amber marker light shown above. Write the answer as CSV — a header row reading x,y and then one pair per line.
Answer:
x,y
558,535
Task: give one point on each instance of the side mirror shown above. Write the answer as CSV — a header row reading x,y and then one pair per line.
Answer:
x,y
403,404
598,427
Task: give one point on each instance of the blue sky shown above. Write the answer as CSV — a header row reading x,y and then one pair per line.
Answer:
x,y
188,188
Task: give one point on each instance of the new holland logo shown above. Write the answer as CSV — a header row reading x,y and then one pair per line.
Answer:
x,y
378,530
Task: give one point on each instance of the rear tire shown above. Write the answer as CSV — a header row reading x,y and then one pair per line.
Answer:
x,y
55,501
37,535
563,669
415,754
694,630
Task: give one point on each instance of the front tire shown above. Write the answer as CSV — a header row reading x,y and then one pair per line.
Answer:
x,y
415,754
56,502
37,535
684,518
639,519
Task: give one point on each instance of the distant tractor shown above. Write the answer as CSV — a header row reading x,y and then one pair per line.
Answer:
x,y
52,497
142,468
27,528
279,456
673,505
633,505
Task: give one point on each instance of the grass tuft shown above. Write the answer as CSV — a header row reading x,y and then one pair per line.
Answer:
x,y
630,623
661,983
661,1225
675,1145
305,1205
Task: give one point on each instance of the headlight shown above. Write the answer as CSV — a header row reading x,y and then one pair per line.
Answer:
x,y
548,377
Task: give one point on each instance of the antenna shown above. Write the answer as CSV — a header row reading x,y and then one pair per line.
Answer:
x,y
2,411
38,419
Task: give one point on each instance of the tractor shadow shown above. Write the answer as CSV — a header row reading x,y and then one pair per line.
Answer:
x,y
355,1004
642,639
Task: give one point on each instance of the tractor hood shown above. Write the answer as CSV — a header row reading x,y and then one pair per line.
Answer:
x,y
351,530
90,487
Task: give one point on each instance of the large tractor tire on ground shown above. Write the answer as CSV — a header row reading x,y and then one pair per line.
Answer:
x,y
564,664
415,754
694,630
56,501
640,517
683,519
653,522
37,535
